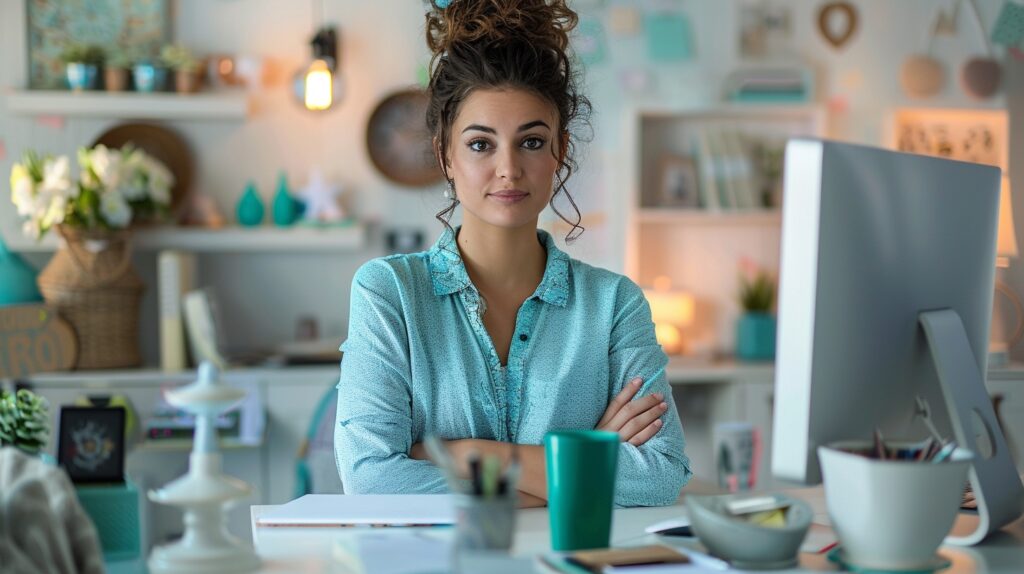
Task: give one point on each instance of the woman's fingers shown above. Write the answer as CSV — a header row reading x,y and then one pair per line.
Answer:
x,y
641,421
634,408
625,395
646,434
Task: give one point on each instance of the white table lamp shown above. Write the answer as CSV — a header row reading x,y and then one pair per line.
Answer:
x,y
671,311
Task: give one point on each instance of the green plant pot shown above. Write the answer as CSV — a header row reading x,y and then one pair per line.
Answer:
x,y
755,337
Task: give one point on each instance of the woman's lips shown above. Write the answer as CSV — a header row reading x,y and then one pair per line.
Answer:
x,y
509,196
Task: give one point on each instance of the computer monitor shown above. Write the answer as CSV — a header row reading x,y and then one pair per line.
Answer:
x,y
885,296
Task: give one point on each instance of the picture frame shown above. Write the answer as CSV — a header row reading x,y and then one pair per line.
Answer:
x,y
91,444
678,183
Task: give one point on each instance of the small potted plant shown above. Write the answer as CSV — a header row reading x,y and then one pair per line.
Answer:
x,y
115,70
82,63
24,421
185,65
755,330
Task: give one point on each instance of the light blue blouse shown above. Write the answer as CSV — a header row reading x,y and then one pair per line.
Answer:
x,y
419,360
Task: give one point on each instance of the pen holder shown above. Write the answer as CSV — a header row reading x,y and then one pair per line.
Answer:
x,y
485,523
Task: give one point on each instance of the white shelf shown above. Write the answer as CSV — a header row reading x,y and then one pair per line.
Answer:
x,y
704,217
229,240
296,375
221,105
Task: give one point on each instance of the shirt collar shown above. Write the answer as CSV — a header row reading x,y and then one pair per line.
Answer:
x,y
449,275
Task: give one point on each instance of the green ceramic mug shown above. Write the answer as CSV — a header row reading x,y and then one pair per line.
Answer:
x,y
581,469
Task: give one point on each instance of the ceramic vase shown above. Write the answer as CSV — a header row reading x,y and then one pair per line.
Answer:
x,y
755,337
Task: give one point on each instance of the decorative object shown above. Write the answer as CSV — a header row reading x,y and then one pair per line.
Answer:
x,y
922,76
590,41
206,547
398,141
672,311
201,210
755,331
131,24
24,421
765,31
737,455
624,20
250,207
115,71
746,544
284,209
82,63
185,65
161,143
91,444
321,200
678,187
837,23
669,37
1009,27
978,136
34,339
980,76
114,509
148,77
317,85
17,279
90,280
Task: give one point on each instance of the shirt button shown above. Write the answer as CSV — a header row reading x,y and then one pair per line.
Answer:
x,y
523,337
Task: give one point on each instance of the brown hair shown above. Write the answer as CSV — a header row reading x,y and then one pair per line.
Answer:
x,y
517,44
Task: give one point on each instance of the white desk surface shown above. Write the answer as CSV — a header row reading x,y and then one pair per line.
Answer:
x,y
308,550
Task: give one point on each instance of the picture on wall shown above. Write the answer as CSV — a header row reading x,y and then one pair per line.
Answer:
x,y
678,182
978,136
91,444
137,27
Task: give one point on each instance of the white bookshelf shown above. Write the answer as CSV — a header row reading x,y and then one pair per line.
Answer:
x,y
228,240
220,105
675,216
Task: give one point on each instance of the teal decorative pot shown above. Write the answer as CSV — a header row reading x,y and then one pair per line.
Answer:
x,y
755,337
284,208
250,207
81,76
17,279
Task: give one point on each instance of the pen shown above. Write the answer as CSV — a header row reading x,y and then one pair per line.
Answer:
x,y
492,468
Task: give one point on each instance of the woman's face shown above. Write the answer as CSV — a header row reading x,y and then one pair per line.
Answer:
x,y
503,156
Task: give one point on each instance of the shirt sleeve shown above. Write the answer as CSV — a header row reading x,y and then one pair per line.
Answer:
x,y
373,433
653,473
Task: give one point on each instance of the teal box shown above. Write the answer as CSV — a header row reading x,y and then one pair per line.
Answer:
x,y
114,509
669,37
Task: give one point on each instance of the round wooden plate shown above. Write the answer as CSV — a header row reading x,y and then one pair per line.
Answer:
x,y
161,143
398,141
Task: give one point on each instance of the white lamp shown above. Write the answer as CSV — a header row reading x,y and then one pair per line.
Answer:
x,y
1006,247
671,311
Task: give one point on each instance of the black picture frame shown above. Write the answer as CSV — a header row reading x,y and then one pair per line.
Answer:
x,y
91,443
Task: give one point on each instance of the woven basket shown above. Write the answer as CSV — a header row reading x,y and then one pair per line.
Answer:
x,y
93,285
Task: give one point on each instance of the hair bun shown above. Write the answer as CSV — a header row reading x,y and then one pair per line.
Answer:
x,y
543,23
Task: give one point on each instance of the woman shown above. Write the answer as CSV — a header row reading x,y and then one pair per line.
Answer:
x,y
494,336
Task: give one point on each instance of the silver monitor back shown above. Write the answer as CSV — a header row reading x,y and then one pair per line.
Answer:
x,y
870,238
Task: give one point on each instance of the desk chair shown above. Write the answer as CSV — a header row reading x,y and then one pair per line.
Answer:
x,y
315,471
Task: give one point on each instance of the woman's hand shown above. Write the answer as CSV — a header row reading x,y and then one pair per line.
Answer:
x,y
635,421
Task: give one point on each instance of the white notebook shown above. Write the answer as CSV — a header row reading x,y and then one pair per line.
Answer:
x,y
356,509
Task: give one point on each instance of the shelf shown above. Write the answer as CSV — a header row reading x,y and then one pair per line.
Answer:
x,y
222,105
229,240
768,217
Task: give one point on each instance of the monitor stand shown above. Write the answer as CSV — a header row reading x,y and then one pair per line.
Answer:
x,y
997,487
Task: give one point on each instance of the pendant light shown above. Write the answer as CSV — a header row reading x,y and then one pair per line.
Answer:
x,y
317,86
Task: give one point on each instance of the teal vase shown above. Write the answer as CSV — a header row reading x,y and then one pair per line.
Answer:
x,y
284,209
755,337
250,207
17,279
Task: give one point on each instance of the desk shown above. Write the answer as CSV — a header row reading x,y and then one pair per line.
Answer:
x,y
308,550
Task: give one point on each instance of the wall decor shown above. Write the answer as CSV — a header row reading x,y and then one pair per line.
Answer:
x,y
34,339
91,444
837,22
981,76
1009,26
765,30
978,136
398,142
669,37
922,76
678,182
590,41
137,25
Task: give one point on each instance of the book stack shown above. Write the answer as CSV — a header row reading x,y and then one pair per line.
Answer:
x,y
769,85
728,180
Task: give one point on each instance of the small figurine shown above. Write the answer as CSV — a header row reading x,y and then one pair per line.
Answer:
x,y
321,199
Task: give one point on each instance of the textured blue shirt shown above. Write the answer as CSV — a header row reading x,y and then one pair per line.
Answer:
x,y
418,360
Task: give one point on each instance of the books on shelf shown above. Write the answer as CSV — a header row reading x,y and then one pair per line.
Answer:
x,y
727,177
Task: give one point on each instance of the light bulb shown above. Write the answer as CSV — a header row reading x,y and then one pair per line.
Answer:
x,y
318,86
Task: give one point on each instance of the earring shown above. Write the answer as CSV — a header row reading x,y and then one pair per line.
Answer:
x,y
449,190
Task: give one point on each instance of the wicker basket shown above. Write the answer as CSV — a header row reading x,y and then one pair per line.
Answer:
x,y
93,285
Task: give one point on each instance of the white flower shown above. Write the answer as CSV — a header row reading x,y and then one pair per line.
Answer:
x,y
57,178
106,164
55,211
23,195
31,228
115,209
160,181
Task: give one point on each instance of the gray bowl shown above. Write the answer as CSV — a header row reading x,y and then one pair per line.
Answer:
x,y
744,544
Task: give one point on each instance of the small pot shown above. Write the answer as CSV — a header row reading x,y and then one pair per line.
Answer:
x,y
755,337
115,79
81,76
186,82
148,78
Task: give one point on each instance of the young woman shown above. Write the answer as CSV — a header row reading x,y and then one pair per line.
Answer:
x,y
494,336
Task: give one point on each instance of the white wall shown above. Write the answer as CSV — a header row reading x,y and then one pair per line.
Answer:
x,y
382,47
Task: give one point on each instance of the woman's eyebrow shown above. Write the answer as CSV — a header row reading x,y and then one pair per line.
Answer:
x,y
522,128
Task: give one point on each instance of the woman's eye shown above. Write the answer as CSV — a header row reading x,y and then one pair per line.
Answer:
x,y
479,145
533,143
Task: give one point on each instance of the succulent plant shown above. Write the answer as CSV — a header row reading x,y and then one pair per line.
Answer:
x,y
757,293
24,420
120,59
178,57
79,53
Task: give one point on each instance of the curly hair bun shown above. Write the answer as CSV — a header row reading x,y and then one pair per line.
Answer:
x,y
542,23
